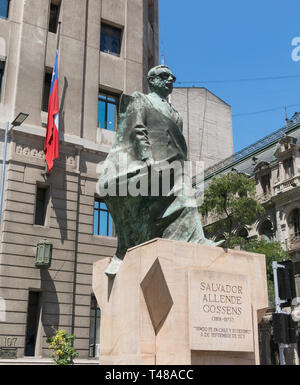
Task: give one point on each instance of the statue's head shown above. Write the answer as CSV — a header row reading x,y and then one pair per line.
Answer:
x,y
160,80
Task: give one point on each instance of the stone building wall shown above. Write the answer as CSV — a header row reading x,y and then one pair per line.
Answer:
x,y
207,124
29,50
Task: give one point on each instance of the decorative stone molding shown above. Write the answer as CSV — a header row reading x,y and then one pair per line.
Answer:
x,y
294,119
38,154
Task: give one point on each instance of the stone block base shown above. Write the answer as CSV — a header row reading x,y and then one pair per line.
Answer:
x,y
176,303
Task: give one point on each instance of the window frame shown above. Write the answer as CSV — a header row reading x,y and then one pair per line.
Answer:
x,y
265,181
266,232
105,210
58,5
7,12
31,349
113,28
45,98
2,73
95,316
46,205
294,224
288,165
103,96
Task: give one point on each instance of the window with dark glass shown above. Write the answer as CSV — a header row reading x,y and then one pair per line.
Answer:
x,y
103,223
110,39
107,111
41,205
46,90
33,316
2,65
288,166
94,328
266,231
294,223
54,16
265,183
4,8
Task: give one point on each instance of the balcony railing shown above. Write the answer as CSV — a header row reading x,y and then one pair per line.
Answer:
x,y
293,243
289,183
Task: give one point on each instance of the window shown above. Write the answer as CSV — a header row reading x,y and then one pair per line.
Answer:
x,y
288,166
294,223
107,111
41,205
46,92
265,183
2,65
32,324
103,223
54,16
110,40
94,328
266,231
4,8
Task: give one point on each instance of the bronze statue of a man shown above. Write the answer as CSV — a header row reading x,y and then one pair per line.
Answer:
x,y
149,134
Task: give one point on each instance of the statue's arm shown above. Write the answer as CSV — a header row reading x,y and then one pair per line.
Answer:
x,y
139,134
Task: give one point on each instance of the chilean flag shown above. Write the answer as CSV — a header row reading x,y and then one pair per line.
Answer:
x,y
52,137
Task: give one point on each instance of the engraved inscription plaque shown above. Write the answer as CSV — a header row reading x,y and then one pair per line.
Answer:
x,y
220,316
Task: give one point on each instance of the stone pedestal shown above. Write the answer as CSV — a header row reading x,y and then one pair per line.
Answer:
x,y
180,303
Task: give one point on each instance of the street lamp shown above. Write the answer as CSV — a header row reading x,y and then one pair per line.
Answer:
x,y
19,119
16,122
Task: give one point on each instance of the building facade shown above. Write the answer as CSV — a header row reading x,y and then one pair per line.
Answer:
x,y
106,48
207,124
274,164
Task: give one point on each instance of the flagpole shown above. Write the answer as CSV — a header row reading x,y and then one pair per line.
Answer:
x,y
56,53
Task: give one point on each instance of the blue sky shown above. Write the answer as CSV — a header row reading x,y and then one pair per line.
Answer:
x,y
219,40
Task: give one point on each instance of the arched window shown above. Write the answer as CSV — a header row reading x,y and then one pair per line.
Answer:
x,y
243,233
294,223
266,231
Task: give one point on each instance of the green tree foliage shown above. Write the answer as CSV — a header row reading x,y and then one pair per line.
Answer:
x,y
273,252
231,198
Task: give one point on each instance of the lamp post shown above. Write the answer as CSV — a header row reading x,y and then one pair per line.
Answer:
x,y
17,122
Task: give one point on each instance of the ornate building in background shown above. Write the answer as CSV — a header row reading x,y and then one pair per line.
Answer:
x,y
274,163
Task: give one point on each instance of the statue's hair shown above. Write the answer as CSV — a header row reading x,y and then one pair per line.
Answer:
x,y
153,72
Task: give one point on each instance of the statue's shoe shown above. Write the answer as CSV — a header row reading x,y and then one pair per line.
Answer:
x,y
208,242
113,267
219,243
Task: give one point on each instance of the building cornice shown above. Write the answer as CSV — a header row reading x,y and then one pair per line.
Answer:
x,y
67,139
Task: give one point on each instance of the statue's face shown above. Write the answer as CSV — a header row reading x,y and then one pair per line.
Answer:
x,y
162,83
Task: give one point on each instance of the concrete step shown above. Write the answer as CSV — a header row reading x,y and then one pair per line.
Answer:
x,y
45,361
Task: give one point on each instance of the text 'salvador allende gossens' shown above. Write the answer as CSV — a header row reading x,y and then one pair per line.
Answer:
x,y
221,299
